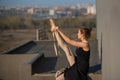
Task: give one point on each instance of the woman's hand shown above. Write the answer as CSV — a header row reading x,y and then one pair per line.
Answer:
x,y
55,29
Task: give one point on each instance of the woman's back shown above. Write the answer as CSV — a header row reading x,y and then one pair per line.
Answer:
x,y
82,60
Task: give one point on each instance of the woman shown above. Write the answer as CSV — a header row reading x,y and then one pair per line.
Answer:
x,y
79,64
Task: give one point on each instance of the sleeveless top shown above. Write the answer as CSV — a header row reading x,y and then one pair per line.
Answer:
x,y
80,69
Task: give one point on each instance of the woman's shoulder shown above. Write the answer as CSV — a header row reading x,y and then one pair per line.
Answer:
x,y
85,47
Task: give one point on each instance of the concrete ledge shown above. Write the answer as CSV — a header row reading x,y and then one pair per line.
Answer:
x,y
15,48
44,75
35,58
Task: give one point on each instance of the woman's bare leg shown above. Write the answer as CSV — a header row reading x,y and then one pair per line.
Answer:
x,y
65,48
61,77
63,45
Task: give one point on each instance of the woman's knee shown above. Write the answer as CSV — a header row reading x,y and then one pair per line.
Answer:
x,y
61,77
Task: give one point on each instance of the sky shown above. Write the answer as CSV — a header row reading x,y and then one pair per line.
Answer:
x,y
43,2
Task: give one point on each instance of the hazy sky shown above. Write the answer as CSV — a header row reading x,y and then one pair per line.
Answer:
x,y
43,2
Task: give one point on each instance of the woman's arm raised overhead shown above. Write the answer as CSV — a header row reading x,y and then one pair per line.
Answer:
x,y
72,42
67,39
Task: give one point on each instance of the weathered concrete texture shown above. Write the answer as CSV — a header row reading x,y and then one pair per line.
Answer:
x,y
34,47
95,76
108,30
14,67
28,63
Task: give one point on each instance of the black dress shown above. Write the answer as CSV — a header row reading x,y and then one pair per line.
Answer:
x,y
80,69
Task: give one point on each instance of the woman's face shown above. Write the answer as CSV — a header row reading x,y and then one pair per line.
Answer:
x,y
80,35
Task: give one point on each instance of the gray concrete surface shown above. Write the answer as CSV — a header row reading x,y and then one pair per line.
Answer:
x,y
108,30
23,63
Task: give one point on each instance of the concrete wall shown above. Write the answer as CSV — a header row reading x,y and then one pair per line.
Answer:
x,y
15,67
108,24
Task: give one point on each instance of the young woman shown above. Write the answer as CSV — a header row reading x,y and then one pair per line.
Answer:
x,y
79,64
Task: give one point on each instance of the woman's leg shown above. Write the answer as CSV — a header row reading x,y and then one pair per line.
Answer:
x,y
62,44
61,77
65,48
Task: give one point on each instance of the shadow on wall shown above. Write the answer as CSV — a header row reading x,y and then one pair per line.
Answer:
x,y
44,65
95,68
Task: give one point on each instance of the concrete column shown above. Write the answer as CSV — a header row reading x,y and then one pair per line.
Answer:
x,y
99,29
108,23
37,34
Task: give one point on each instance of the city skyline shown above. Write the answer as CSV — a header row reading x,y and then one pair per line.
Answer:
x,y
48,3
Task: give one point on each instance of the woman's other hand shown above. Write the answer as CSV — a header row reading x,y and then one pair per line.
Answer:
x,y
55,29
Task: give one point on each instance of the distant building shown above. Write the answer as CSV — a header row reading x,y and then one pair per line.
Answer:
x,y
78,6
30,11
51,12
83,11
91,9
60,13
45,12
72,7
69,13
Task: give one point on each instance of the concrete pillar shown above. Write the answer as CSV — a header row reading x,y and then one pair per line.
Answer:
x,y
37,34
108,23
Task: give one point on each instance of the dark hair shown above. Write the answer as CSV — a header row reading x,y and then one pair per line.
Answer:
x,y
86,32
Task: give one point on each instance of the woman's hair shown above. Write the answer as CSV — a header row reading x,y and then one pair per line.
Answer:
x,y
86,32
